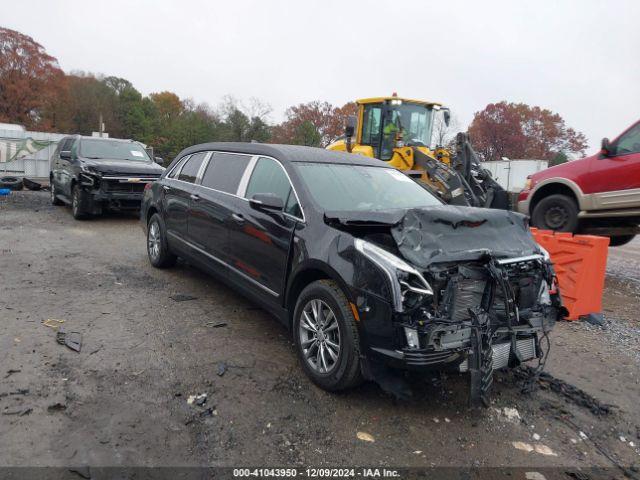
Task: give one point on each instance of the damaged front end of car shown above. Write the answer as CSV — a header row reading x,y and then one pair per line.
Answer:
x,y
470,290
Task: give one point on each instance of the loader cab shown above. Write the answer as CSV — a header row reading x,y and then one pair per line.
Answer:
x,y
388,123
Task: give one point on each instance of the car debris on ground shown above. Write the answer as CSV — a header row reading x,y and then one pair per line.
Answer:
x,y
72,340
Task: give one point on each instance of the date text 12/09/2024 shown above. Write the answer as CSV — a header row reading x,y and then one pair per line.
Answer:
x,y
316,472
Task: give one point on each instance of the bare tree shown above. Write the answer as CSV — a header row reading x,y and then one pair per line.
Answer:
x,y
444,134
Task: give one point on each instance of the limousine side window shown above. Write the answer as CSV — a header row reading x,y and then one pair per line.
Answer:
x,y
189,171
224,172
269,177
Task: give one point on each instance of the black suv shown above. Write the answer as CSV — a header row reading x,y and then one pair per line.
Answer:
x,y
367,268
92,173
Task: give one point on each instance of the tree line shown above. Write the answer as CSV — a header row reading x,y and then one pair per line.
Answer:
x,y
35,92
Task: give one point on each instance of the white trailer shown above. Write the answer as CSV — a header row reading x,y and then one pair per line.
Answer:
x,y
511,174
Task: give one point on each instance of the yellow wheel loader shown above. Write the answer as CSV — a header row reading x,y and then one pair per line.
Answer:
x,y
399,130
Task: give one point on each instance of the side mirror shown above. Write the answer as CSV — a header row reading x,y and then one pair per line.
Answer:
x,y
447,117
350,126
266,201
349,131
605,148
159,161
65,154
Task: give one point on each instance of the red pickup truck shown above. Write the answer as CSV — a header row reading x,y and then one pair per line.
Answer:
x,y
599,194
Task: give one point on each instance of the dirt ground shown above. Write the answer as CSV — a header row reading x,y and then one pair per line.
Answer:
x,y
123,400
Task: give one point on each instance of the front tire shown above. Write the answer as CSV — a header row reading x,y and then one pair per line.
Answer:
x,y
157,247
326,337
77,201
556,212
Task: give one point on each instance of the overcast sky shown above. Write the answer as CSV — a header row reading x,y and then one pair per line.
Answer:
x,y
580,59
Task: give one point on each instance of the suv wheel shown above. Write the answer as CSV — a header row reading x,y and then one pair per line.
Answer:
x,y
556,212
157,248
620,240
326,336
77,200
54,195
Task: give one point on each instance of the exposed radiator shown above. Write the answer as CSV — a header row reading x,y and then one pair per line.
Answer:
x,y
526,348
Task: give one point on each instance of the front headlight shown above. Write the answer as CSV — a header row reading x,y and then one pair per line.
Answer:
x,y
409,288
90,169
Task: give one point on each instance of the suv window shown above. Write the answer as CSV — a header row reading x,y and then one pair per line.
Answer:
x,y
630,141
65,144
269,176
225,171
190,169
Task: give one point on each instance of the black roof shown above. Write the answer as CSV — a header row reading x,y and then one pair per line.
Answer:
x,y
287,153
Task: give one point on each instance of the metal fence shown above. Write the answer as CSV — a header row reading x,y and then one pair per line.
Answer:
x,y
28,154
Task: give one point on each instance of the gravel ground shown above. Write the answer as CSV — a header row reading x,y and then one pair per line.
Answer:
x,y
123,400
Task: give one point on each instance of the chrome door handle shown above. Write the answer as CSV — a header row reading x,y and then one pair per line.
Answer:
x,y
166,188
194,197
237,217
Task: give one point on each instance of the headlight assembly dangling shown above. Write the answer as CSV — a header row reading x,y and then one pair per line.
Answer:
x,y
408,286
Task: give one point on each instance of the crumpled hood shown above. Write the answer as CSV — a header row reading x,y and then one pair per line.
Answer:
x,y
124,167
447,233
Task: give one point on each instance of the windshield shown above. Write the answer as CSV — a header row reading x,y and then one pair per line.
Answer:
x,y
358,188
113,150
381,125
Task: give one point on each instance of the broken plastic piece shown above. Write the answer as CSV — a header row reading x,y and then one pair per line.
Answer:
x,y
73,340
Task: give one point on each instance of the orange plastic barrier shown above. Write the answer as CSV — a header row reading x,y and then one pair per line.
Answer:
x,y
580,262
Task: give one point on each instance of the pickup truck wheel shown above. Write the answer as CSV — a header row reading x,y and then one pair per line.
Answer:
x,y
54,195
620,240
326,337
556,212
157,247
77,201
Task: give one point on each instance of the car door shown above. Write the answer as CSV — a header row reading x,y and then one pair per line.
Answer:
x,y
213,201
177,193
615,179
260,240
62,173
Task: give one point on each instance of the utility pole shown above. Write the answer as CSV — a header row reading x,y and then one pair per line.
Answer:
x,y
101,126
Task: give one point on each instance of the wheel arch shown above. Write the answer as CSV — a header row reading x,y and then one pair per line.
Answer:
x,y
150,212
559,186
304,276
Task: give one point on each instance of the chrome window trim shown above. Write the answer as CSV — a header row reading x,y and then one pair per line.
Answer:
x,y
248,172
244,181
203,167
177,167
216,259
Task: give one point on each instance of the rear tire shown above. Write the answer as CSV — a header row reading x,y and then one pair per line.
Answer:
x,y
344,370
620,240
556,212
158,250
77,200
